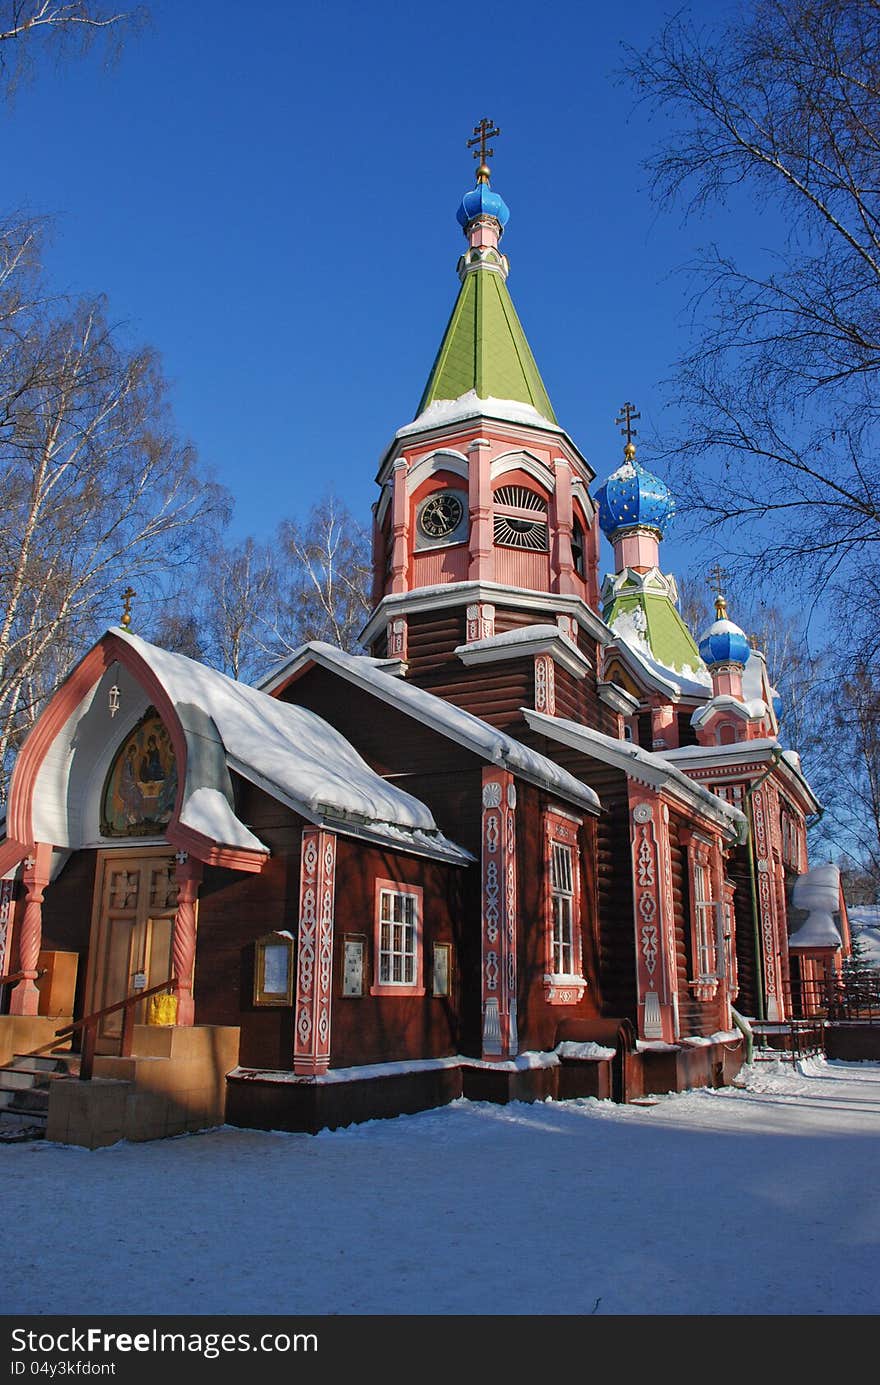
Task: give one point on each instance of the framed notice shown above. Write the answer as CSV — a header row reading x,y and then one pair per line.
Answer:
x,y
273,970
353,965
442,968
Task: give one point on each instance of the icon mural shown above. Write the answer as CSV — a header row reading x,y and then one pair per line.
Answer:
x,y
142,784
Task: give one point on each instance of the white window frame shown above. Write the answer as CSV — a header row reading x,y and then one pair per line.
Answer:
x,y
398,938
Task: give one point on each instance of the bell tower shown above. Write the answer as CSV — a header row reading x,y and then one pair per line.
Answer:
x,y
485,535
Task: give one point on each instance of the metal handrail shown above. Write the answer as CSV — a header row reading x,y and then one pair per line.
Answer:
x,y
89,1025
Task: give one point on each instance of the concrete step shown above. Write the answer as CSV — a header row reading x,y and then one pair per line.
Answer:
x,y
63,1062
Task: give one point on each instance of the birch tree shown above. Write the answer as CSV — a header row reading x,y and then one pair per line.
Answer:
x,y
98,492
325,577
779,109
29,28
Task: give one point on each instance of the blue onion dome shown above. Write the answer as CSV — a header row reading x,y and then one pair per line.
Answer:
x,y
482,201
634,498
723,642
777,704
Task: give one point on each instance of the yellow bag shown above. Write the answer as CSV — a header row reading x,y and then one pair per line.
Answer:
x,y
162,1009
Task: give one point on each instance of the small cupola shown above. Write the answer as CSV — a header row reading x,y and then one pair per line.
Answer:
x,y
635,506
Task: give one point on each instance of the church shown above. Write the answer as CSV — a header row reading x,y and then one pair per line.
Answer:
x,y
537,841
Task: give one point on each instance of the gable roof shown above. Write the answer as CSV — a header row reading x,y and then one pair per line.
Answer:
x,y
643,765
219,725
482,739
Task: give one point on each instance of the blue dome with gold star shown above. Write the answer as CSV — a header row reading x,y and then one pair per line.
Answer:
x,y
482,201
634,498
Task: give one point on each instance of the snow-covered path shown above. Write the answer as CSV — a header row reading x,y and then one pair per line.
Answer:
x,y
758,1199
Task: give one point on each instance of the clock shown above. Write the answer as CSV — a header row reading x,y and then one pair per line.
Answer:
x,y
441,515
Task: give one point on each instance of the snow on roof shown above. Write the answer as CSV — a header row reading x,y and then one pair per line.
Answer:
x,y
470,405
444,717
754,709
646,765
523,634
817,893
288,750
689,682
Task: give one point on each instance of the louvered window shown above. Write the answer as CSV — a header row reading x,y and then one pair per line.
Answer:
x,y
520,519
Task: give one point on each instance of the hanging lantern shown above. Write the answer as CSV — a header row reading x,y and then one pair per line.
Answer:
x,y
113,696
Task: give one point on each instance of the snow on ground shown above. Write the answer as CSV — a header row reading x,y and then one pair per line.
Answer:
x,y
754,1199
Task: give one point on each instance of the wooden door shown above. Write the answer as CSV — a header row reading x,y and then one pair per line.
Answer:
x,y
132,935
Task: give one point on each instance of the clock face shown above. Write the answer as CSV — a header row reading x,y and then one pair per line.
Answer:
x,y
441,515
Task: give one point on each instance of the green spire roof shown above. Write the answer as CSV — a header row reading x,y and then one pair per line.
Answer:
x,y
485,349
665,633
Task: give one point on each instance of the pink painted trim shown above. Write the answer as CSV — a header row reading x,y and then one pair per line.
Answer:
x,y
314,953
111,649
206,850
11,852
562,830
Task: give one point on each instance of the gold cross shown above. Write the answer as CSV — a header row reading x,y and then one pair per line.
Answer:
x,y
127,597
486,130
716,580
627,414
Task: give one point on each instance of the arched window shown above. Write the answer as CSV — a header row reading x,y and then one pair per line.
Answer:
x,y
579,548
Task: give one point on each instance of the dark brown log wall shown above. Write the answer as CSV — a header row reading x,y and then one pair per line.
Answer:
x,y
380,1029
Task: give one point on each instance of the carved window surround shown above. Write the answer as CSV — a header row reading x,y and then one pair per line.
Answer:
x,y
399,923
563,902
704,911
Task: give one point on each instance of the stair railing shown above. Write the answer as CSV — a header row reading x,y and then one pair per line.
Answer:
x,y
89,1026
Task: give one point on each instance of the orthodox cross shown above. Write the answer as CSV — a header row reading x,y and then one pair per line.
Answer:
x,y
486,130
716,580
627,414
127,597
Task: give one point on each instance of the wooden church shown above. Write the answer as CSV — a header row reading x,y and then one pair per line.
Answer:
x,y
536,842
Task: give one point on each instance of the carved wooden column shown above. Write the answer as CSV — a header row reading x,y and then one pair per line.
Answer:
x,y
25,998
400,527
499,909
188,875
656,975
545,685
7,894
396,634
775,1001
481,567
314,960
480,621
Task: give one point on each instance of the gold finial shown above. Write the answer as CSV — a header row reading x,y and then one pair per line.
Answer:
x,y
716,579
483,132
127,596
626,416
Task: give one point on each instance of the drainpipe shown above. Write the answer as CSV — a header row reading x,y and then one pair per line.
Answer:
x,y
775,757
745,1029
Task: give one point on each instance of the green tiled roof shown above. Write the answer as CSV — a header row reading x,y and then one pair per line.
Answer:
x,y
669,639
485,349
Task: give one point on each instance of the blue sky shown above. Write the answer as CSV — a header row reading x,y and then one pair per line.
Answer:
x,y
267,196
